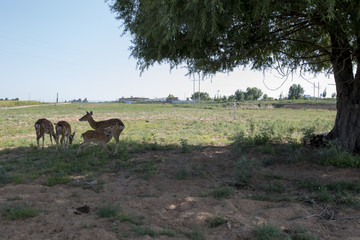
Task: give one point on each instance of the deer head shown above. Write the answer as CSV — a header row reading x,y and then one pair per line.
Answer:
x,y
87,116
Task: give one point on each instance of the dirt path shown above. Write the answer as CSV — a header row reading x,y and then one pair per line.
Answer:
x,y
37,105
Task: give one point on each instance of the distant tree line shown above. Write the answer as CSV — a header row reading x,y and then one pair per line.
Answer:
x,y
296,91
6,99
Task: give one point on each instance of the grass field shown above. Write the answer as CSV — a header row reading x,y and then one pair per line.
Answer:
x,y
166,124
182,172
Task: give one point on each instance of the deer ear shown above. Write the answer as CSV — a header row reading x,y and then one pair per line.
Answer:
x,y
87,112
91,113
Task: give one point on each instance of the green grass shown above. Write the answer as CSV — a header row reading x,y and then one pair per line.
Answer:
x,y
19,211
219,192
108,211
149,127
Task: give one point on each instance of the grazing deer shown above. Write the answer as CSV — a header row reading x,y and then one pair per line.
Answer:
x,y
114,125
63,128
101,138
42,127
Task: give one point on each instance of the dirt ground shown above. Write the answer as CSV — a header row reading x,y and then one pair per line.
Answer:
x,y
166,201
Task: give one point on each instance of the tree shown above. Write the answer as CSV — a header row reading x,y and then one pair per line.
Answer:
x,y
324,93
295,91
253,93
203,96
311,36
239,95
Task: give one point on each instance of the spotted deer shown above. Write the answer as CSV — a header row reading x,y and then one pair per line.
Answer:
x,y
114,125
63,128
42,127
92,136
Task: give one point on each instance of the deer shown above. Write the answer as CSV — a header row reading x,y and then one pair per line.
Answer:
x,y
42,127
115,126
63,128
92,136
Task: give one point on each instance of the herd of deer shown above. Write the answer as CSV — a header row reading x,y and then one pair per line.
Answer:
x,y
102,133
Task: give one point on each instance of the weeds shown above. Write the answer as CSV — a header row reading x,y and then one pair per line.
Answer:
x,y
244,169
19,211
214,222
107,211
219,192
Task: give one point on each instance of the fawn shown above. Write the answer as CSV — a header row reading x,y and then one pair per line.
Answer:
x,y
42,127
114,125
63,128
101,138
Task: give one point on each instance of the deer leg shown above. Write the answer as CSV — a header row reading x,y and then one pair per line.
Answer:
x,y
116,135
81,146
105,148
37,140
43,138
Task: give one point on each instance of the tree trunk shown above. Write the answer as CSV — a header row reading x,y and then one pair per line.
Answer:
x,y
347,123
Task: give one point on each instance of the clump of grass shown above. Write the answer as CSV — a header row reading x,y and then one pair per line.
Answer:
x,y
185,147
244,169
19,211
214,222
142,231
146,169
331,154
182,173
268,232
219,192
60,178
107,211
274,187
3,176
195,234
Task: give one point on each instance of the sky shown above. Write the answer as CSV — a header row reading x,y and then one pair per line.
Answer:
x,y
75,49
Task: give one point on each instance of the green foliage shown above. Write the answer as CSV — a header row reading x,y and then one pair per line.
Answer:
x,y
195,234
143,231
332,155
268,232
244,169
250,94
215,221
296,92
107,211
19,211
219,192
182,173
204,96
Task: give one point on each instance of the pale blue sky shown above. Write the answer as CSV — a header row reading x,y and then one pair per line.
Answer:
x,y
75,48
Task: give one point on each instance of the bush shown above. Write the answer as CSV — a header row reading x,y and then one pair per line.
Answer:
x,y
245,168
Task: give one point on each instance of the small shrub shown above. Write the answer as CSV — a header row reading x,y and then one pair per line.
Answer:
x,y
107,211
19,211
214,222
3,176
57,179
268,232
244,169
185,147
324,196
334,156
222,192
195,234
274,187
182,173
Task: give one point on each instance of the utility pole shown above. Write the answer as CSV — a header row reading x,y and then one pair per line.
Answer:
x,y
57,97
199,87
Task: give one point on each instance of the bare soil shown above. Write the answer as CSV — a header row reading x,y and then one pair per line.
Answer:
x,y
166,201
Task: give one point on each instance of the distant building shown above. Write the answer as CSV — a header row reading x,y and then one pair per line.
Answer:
x,y
172,99
133,99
